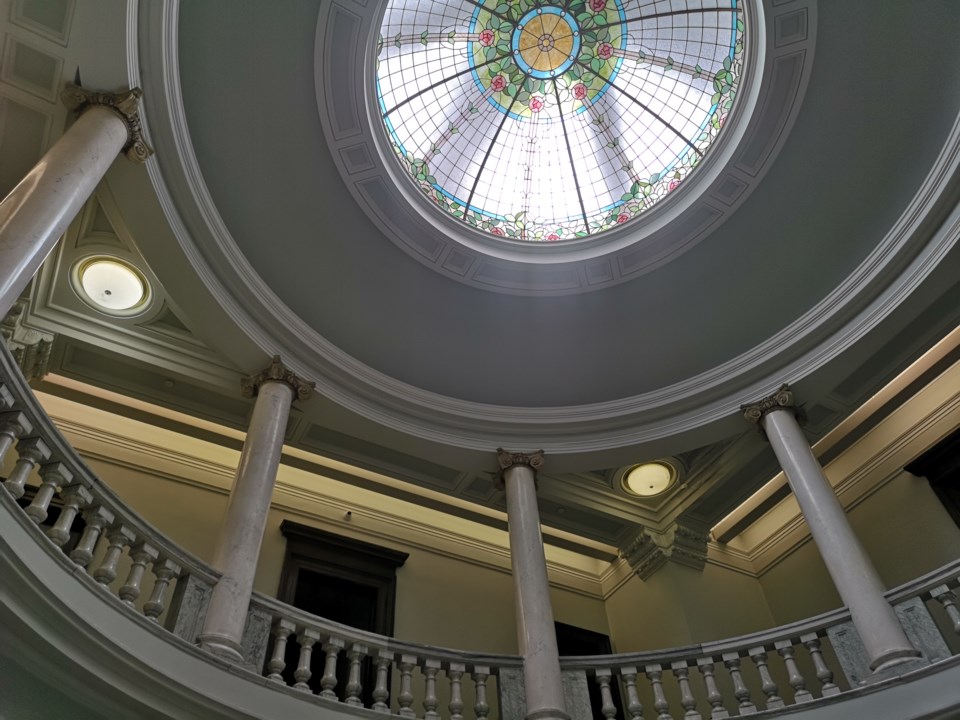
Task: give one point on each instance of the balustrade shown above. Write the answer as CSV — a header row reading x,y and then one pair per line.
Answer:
x,y
72,513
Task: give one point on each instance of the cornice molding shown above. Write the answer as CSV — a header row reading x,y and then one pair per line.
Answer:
x,y
311,503
896,268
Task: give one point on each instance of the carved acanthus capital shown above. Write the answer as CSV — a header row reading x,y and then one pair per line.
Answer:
x,y
30,348
277,372
683,543
781,399
125,104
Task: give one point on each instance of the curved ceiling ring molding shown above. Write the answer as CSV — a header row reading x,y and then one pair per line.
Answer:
x,y
779,58
880,283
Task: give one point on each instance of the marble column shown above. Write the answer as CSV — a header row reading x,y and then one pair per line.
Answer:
x,y
537,637
38,210
238,547
847,562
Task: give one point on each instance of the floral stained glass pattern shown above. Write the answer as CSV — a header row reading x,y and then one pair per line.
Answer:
x,y
551,120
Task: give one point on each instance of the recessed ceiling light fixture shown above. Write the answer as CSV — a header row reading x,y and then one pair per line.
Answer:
x,y
112,286
649,479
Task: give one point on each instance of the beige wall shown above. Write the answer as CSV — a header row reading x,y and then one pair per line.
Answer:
x,y
441,600
905,531
679,606
456,590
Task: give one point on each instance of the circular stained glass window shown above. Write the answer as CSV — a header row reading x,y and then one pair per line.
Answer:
x,y
551,120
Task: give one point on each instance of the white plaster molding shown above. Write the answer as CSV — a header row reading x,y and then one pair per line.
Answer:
x,y
312,503
887,278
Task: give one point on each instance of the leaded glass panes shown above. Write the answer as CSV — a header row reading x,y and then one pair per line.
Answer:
x,y
549,120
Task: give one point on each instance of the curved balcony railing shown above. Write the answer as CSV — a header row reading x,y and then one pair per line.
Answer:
x,y
129,563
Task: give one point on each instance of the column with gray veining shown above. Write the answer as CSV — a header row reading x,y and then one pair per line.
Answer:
x,y
38,210
238,547
849,566
543,687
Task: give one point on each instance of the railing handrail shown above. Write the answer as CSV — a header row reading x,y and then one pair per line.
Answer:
x,y
63,451
807,631
374,642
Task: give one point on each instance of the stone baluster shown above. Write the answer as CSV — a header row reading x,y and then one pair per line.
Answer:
x,y
799,685
328,681
688,702
654,674
405,696
53,476
164,571
96,518
948,599
282,630
75,498
824,674
13,425
634,706
119,537
769,687
481,708
430,699
607,709
731,661
717,710
302,674
381,695
141,554
353,687
455,673
30,451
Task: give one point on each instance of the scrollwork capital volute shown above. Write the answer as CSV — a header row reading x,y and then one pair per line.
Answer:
x,y
277,372
782,399
125,104
507,460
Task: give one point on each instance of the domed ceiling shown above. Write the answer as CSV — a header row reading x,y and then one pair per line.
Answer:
x,y
769,264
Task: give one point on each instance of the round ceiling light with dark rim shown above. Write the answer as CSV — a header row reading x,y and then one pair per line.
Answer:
x,y
554,120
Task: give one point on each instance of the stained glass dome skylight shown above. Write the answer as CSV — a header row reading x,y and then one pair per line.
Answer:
x,y
550,120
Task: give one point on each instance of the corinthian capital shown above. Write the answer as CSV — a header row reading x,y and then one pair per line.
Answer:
x,y
125,104
276,372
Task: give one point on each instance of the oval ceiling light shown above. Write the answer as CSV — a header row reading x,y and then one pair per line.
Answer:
x,y
112,286
649,479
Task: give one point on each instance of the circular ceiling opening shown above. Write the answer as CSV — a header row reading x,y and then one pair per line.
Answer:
x,y
111,285
555,120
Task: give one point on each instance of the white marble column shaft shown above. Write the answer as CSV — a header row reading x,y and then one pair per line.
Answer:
x,y
238,547
849,566
537,638
38,210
